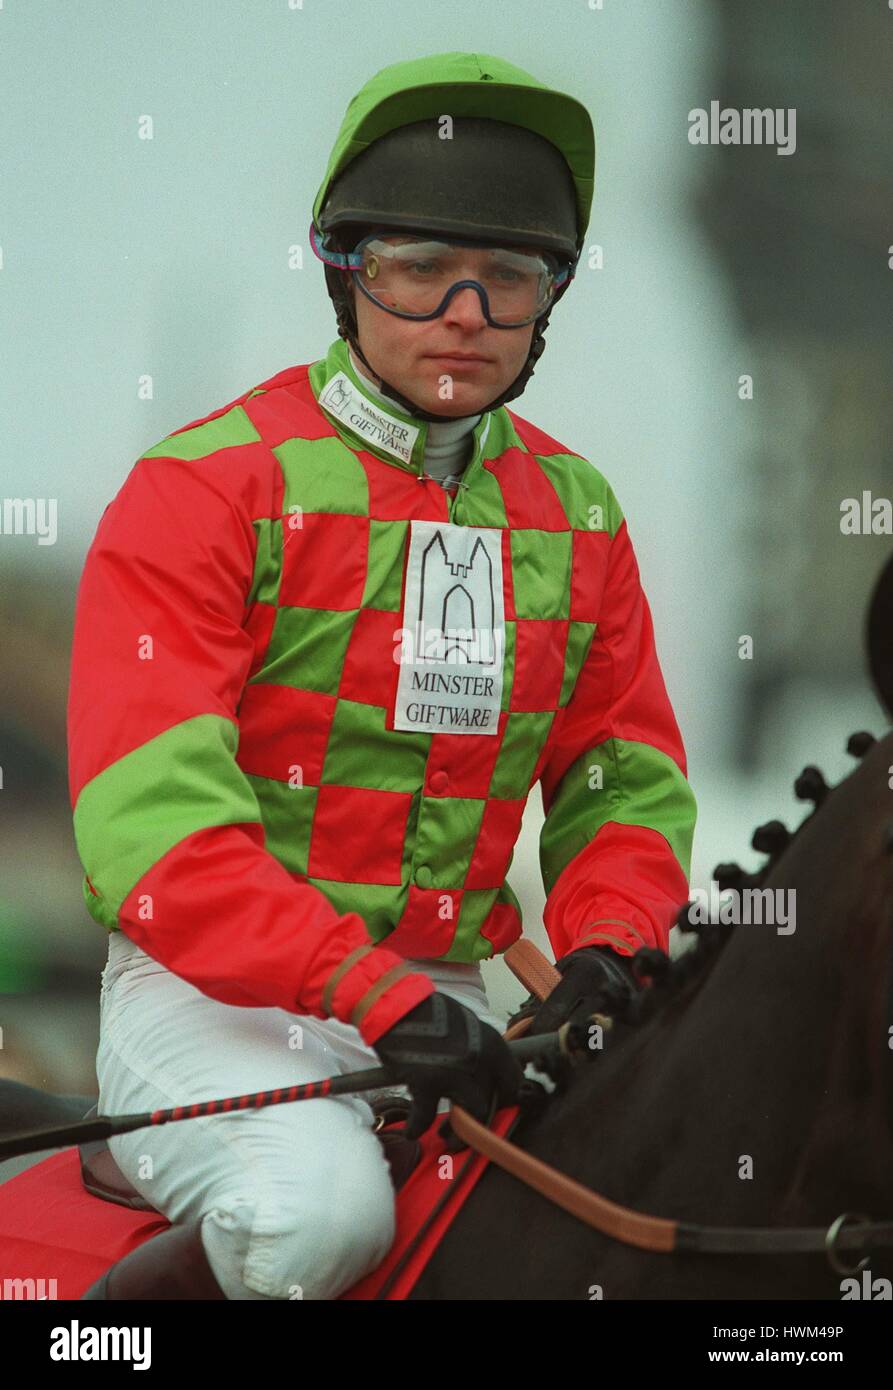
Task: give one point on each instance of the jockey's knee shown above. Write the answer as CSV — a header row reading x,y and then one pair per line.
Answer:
x,y
297,1247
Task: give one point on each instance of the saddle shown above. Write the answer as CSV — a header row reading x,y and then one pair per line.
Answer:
x,y
102,1177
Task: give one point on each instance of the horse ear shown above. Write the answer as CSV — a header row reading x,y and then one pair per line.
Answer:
x,y
879,637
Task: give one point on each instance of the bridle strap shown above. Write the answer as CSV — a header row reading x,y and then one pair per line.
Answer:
x,y
632,1227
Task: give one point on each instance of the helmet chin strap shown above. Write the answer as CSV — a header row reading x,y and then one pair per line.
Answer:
x,y
347,329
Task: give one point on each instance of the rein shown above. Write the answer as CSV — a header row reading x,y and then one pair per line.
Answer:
x,y
632,1227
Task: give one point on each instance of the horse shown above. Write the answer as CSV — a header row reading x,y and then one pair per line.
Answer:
x,y
748,1084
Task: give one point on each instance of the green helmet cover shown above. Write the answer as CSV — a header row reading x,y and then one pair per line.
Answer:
x,y
466,84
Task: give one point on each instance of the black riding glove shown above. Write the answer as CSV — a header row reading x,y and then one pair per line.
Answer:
x,y
590,976
440,1048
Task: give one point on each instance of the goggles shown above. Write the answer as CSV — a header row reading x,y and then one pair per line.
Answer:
x,y
415,275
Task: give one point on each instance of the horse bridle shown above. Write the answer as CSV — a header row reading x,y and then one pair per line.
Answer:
x,y
848,1231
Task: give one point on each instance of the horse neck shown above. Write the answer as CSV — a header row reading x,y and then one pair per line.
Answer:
x,y
776,1064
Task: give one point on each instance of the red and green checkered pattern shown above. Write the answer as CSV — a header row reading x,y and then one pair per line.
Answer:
x,y
244,807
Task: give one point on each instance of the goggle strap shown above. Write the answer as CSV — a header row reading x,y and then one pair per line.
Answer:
x,y
341,260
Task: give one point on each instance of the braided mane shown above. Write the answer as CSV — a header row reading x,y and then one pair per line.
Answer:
x,y
667,978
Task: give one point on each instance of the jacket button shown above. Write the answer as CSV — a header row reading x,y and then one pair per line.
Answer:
x,y
423,876
439,781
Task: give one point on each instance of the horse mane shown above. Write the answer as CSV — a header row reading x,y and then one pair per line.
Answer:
x,y
667,977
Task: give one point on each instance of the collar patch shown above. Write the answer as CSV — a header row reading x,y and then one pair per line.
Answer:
x,y
341,398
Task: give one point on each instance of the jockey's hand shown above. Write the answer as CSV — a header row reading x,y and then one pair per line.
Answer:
x,y
590,976
440,1048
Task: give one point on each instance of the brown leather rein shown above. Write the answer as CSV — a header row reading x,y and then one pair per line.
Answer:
x,y
655,1233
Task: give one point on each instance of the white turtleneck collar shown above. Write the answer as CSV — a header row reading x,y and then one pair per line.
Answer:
x,y
448,442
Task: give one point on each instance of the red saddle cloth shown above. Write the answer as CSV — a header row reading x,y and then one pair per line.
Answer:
x,y
416,1200
51,1228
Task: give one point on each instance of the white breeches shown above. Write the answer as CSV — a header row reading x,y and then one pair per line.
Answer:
x,y
295,1201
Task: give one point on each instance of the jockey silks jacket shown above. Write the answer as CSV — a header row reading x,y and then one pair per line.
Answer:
x,y
311,691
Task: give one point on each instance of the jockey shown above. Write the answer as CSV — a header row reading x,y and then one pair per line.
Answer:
x,y
327,639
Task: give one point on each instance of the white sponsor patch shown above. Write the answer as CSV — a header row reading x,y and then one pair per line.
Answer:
x,y
342,399
453,634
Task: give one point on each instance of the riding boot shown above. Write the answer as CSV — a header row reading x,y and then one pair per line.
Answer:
x,y
172,1265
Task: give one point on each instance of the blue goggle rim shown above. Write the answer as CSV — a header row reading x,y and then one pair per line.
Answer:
x,y
353,261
